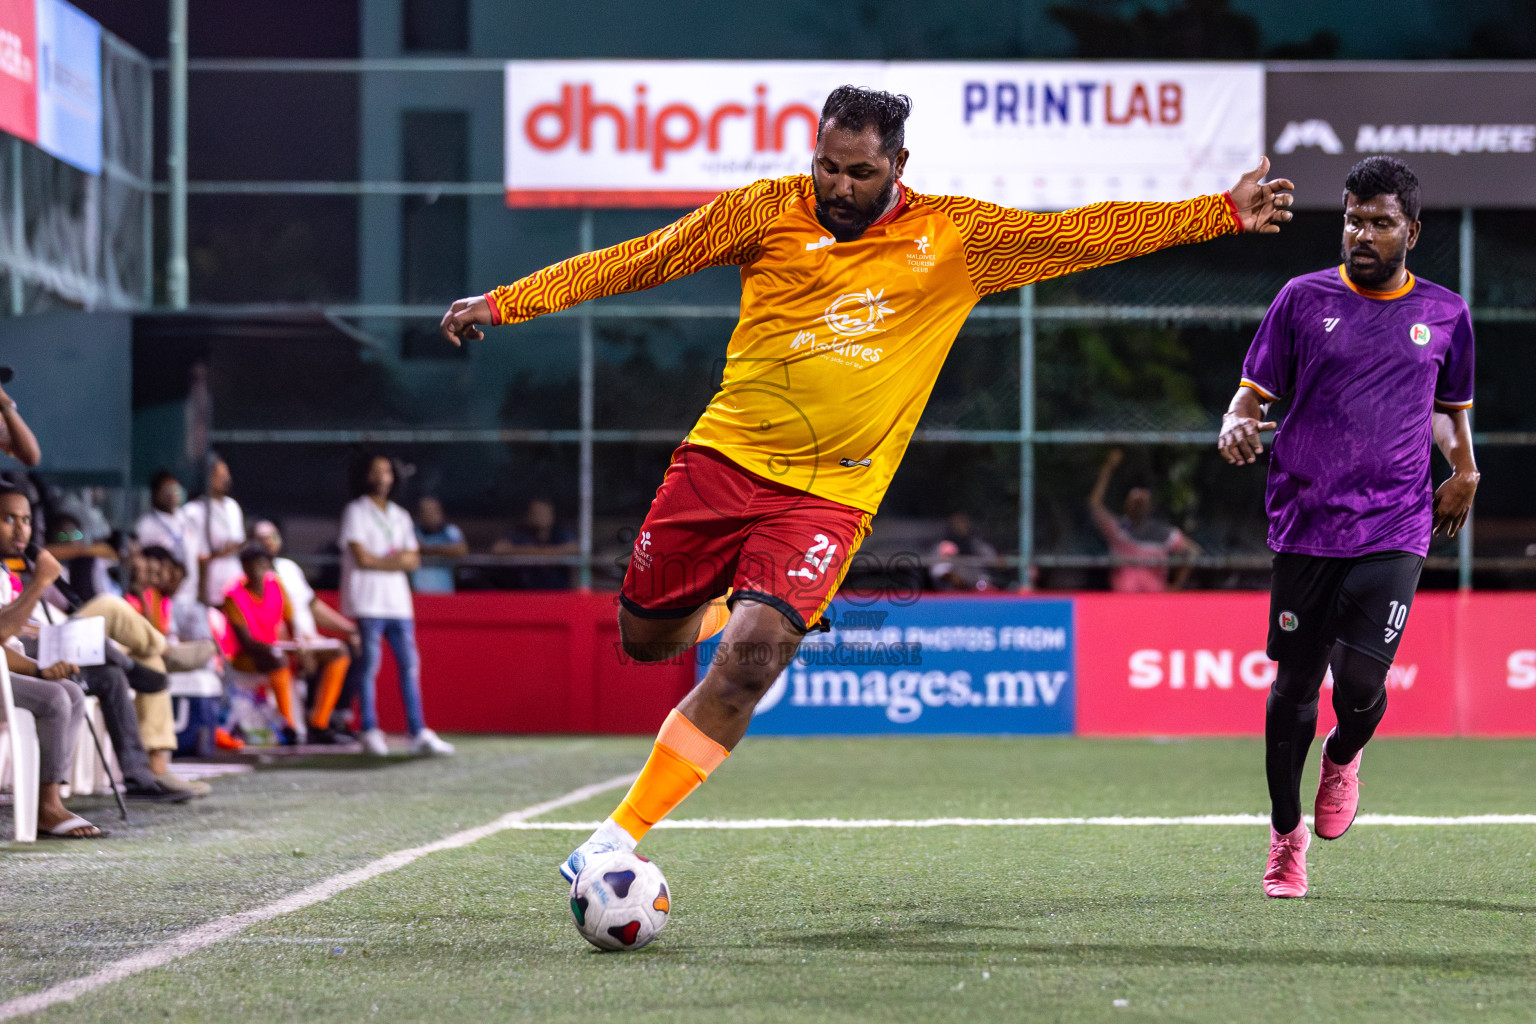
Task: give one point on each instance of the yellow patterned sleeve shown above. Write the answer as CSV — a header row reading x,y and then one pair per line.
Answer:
x,y
729,229
1010,248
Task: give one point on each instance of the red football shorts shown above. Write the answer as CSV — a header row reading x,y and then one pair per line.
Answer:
x,y
714,525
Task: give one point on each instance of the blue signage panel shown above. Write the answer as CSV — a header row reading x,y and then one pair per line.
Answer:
x,y
69,85
936,665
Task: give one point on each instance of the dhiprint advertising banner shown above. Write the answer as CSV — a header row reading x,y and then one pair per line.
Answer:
x,y
1028,134
1469,133
931,666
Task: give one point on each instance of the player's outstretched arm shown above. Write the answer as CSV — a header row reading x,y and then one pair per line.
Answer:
x,y
1453,499
1262,205
1239,442
1007,248
727,230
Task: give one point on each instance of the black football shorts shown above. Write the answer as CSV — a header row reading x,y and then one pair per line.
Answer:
x,y
1359,602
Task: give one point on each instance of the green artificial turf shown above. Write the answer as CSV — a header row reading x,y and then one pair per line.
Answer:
x,y
982,924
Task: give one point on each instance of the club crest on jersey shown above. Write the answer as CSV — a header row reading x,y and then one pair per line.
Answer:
x,y
857,313
1419,334
1289,621
922,261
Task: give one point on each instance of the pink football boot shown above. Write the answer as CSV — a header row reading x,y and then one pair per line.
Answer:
x,y
1338,795
1287,874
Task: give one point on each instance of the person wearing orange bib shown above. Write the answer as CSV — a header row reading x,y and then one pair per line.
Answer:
x,y
853,289
260,614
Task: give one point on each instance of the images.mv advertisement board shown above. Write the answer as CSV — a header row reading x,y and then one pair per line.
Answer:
x,y
930,666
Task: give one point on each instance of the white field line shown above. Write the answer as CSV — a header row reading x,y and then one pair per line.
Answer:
x,y
750,824
214,931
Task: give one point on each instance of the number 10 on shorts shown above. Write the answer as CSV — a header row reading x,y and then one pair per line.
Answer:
x,y
815,566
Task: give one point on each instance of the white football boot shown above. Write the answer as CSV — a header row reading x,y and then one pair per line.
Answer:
x,y
610,837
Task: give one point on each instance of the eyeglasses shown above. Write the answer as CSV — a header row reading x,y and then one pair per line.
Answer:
x,y
69,536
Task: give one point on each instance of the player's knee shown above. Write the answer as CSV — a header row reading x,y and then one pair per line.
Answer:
x,y
640,641
1359,679
742,683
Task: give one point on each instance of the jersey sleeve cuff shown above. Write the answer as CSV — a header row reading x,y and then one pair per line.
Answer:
x,y
490,300
1452,406
1237,219
1264,392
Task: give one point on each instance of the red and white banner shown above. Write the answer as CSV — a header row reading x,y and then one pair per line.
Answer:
x,y
1194,664
1497,662
18,68
1036,135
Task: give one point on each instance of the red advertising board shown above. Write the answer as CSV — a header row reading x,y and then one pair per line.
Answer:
x,y
1497,634
1194,664
18,68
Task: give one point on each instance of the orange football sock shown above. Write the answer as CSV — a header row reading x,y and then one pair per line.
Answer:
x,y
716,615
326,694
682,758
280,682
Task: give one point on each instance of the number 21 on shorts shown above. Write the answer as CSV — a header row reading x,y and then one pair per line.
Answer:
x,y
825,549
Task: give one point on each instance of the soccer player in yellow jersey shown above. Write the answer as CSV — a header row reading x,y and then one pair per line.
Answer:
x,y
853,289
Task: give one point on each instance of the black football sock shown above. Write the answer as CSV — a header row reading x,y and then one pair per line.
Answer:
x,y
1290,723
1359,701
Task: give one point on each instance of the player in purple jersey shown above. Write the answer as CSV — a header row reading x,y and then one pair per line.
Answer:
x,y
1376,364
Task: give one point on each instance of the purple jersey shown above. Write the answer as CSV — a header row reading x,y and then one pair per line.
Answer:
x,y
1349,467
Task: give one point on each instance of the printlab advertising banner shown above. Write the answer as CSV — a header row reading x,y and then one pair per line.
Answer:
x,y
1194,664
1037,135
936,665
1469,134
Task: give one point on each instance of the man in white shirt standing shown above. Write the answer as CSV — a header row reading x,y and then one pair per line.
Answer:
x,y
219,526
378,549
166,525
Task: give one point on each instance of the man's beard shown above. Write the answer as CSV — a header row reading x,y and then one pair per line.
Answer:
x,y
1385,267
862,219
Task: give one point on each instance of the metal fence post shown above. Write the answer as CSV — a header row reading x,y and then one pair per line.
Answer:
x,y
1026,434
18,232
177,287
588,389
146,170
1464,541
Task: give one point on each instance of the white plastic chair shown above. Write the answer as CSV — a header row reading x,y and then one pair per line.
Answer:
x,y
20,759
89,774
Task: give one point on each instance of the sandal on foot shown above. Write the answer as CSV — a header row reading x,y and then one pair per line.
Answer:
x,y
65,829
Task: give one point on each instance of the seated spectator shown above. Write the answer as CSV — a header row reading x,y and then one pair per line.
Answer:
x,y
962,560
439,539
136,662
260,615
537,534
166,526
187,628
150,572
325,666
110,682
87,564
1138,537
56,702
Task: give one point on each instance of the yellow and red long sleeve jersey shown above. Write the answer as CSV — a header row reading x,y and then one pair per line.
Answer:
x,y
839,343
